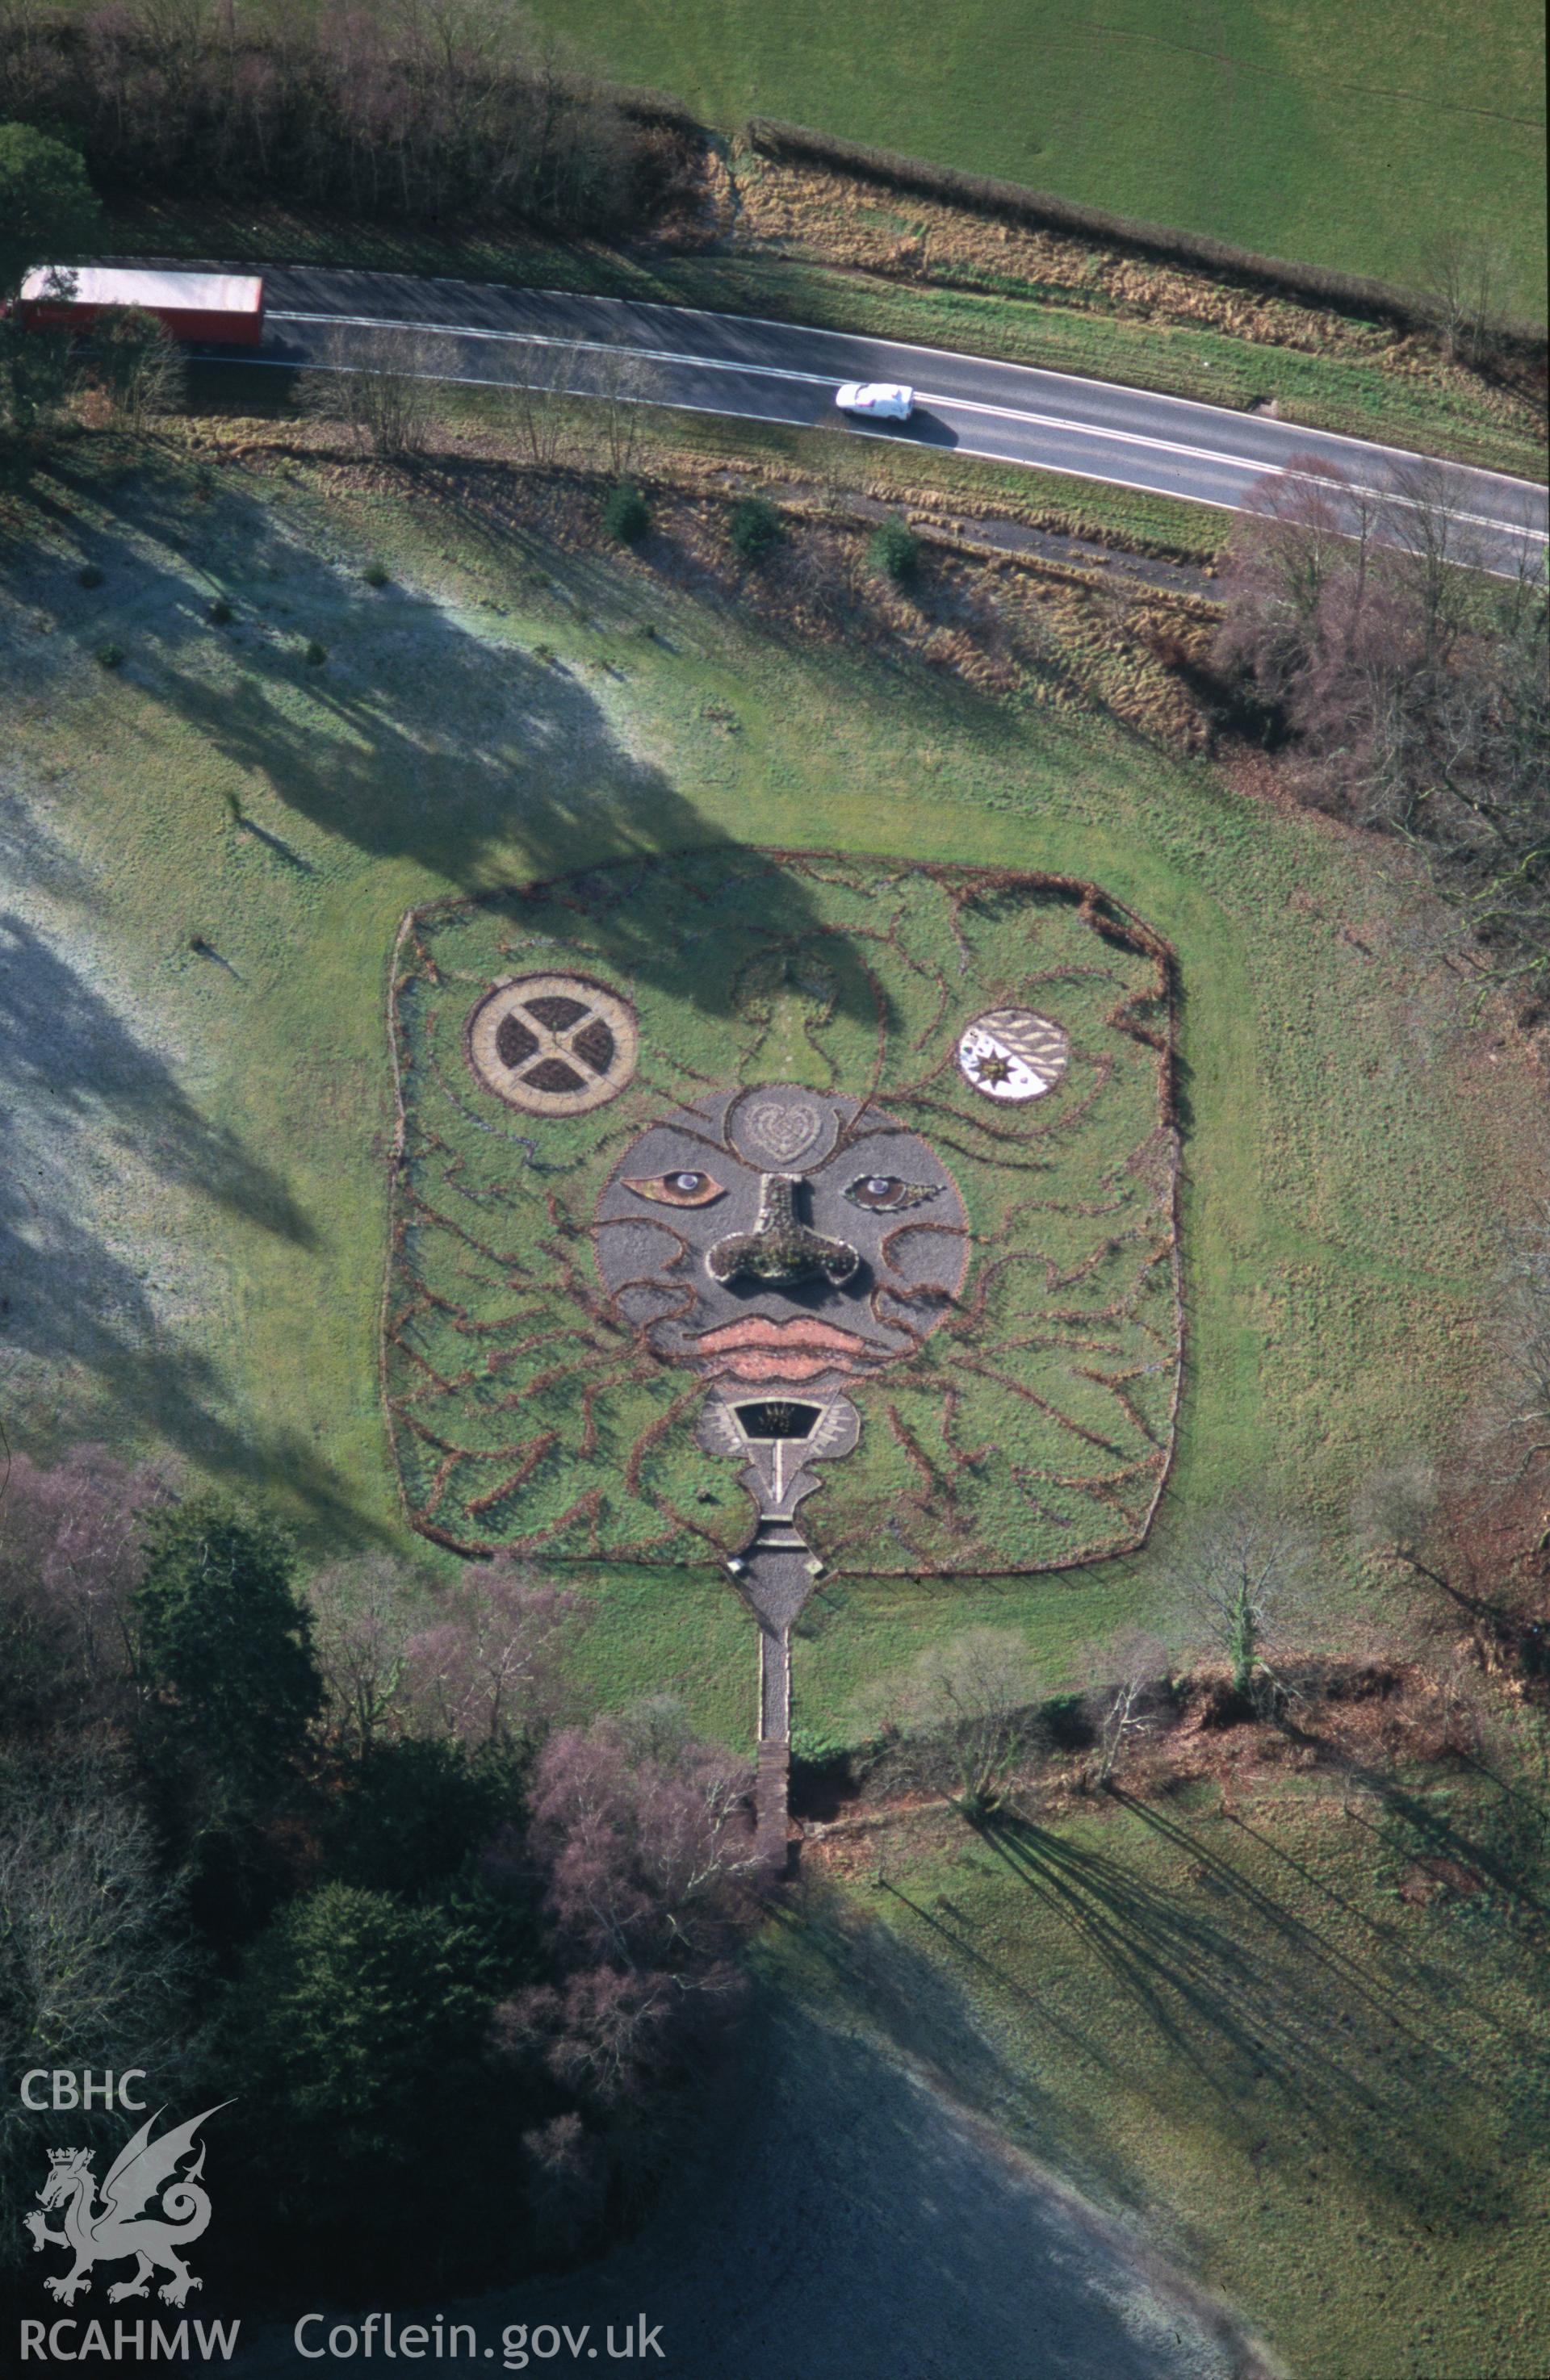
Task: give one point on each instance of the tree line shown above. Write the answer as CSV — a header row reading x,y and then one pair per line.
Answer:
x,y
408,111
1407,690
336,1852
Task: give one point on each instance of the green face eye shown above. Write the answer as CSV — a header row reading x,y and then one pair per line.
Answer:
x,y
685,1189
885,1193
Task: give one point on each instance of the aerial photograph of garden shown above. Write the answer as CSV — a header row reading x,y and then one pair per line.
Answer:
x,y
774,1189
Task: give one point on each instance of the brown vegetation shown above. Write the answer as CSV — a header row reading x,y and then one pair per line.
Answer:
x,y
1053,632
422,115
1040,210
1412,693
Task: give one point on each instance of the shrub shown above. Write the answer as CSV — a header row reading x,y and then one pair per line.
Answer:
x,y
626,516
90,576
357,2018
110,657
385,402
375,574
316,654
47,205
896,551
224,1645
755,530
220,612
136,365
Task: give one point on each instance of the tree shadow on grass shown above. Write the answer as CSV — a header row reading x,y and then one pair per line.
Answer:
x,y
1279,2026
420,741
85,1100
858,2213
477,760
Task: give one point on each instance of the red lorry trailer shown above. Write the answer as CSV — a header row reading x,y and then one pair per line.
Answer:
x,y
226,307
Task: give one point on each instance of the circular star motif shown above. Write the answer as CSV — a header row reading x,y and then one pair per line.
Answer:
x,y
1012,1054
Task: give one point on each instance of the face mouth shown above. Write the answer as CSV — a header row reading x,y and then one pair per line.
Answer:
x,y
795,1350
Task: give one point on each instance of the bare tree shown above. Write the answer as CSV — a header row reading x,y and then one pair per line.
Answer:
x,y
1464,277
549,373
95,1964
968,1717
429,110
1125,1679
1427,517
70,1556
1396,1509
366,1614
1416,693
1241,1586
651,1872
617,377
1463,1600
138,367
382,393
488,1667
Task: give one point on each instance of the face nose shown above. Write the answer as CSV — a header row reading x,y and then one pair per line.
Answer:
x,y
780,1251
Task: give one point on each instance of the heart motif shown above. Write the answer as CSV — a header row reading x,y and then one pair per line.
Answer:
x,y
786,1132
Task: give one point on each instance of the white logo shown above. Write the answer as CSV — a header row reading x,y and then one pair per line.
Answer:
x,y
128,2222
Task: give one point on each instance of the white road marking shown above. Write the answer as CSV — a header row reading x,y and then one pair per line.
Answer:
x,y
909,347
1252,467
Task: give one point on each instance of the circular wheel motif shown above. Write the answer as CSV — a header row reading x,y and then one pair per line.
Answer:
x,y
1010,1053
553,1044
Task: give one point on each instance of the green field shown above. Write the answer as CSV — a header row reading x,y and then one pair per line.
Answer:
x,y
1322,2097
1350,137
1229,2031
195,1017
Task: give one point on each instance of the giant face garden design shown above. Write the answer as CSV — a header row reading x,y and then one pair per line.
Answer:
x,y
735,1183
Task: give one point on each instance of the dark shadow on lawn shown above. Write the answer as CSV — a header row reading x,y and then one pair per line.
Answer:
x,y
78,1086
61,1041
849,2219
516,752
1249,1995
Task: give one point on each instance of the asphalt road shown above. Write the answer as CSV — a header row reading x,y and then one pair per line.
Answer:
x,y
776,371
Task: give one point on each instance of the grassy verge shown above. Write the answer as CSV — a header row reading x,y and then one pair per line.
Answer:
x,y
195,1225
1233,2026
1335,393
823,466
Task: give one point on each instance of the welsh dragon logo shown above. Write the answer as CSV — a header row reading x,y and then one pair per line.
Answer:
x,y
121,2226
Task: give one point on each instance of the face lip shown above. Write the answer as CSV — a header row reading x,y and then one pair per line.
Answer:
x,y
797,1350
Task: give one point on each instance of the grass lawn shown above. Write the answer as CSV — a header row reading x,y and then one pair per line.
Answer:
x,y
1351,138
194,1034
1321,2096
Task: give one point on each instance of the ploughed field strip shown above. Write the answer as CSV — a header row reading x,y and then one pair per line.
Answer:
x,y
732,1180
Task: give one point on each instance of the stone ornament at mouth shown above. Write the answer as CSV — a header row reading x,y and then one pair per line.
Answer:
x,y
762,1348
